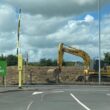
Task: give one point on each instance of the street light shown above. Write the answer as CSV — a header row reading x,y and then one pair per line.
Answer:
x,y
99,76
20,59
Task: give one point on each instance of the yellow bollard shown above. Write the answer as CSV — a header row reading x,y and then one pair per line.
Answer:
x,y
20,69
20,79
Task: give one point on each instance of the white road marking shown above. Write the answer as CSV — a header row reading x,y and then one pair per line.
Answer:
x,y
35,93
57,91
80,102
29,105
108,94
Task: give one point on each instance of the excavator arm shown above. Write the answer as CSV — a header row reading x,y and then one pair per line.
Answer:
x,y
61,49
73,51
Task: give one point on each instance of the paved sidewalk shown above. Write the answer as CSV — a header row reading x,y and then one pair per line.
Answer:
x,y
50,87
16,88
6,89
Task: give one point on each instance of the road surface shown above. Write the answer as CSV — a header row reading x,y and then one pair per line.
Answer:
x,y
58,98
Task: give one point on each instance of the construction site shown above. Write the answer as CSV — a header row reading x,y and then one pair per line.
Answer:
x,y
87,71
83,73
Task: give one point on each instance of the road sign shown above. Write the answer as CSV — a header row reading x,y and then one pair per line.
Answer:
x,y
20,69
20,62
3,68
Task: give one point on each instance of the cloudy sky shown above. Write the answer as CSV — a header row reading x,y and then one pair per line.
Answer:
x,y
46,23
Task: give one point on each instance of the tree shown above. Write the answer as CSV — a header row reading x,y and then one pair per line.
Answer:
x,y
47,62
42,62
11,60
96,65
54,63
2,57
107,58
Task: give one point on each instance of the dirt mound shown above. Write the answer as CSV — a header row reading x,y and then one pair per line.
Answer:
x,y
37,74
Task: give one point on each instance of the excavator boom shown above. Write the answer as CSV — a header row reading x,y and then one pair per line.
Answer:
x,y
62,48
73,51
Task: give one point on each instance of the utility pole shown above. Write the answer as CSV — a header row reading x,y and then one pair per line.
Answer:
x,y
99,43
20,59
18,33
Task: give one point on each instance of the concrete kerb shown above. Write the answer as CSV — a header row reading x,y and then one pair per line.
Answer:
x,y
43,87
16,90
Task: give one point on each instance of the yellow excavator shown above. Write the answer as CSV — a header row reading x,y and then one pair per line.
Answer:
x,y
88,74
77,52
63,48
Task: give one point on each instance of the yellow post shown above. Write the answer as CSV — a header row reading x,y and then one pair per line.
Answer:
x,y
20,69
20,79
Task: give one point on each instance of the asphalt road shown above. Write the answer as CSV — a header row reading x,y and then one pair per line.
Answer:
x,y
58,98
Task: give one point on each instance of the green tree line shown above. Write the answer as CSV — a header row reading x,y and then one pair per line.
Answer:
x,y
50,62
12,60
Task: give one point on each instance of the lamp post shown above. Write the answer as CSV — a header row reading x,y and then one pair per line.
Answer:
x,y
20,59
99,72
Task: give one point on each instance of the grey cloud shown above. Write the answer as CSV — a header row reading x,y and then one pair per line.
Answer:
x,y
7,18
41,42
41,26
55,7
7,42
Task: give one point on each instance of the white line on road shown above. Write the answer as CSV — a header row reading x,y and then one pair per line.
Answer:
x,y
34,93
57,91
108,94
29,105
80,102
